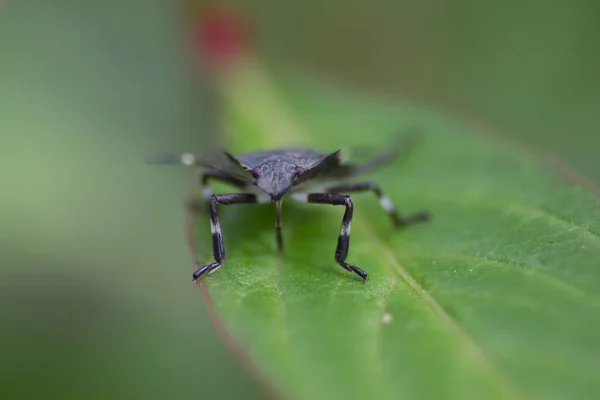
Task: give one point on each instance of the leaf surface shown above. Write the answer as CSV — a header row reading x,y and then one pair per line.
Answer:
x,y
496,298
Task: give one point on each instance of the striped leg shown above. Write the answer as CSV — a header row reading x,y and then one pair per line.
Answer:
x,y
341,250
215,227
387,205
194,206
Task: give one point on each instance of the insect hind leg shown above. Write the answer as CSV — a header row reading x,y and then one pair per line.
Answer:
x,y
385,202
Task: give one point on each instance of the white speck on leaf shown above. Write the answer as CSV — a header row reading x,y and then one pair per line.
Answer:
x,y
386,318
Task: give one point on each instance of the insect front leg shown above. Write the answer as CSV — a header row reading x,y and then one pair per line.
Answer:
x,y
385,202
215,227
343,244
195,206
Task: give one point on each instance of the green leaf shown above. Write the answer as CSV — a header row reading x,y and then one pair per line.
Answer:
x,y
496,298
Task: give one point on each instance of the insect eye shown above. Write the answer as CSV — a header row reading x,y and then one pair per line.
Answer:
x,y
254,174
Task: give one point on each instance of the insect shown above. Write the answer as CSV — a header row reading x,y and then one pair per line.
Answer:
x,y
305,175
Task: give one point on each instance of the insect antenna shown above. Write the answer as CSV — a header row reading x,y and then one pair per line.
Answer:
x,y
191,160
401,146
187,159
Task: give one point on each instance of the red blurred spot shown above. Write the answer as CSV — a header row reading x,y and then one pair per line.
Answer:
x,y
220,35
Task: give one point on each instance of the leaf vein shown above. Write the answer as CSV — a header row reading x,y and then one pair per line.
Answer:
x,y
506,382
565,285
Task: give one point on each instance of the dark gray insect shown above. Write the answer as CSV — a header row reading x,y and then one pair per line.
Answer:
x,y
306,175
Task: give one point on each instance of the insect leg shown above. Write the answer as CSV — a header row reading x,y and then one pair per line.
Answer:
x,y
195,206
384,201
215,227
278,227
341,250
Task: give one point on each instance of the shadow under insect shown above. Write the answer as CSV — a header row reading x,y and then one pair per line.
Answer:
x,y
247,229
249,235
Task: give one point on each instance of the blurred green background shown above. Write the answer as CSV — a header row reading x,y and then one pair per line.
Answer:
x,y
95,285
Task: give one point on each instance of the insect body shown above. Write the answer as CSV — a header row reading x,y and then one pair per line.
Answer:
x,y
305,175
